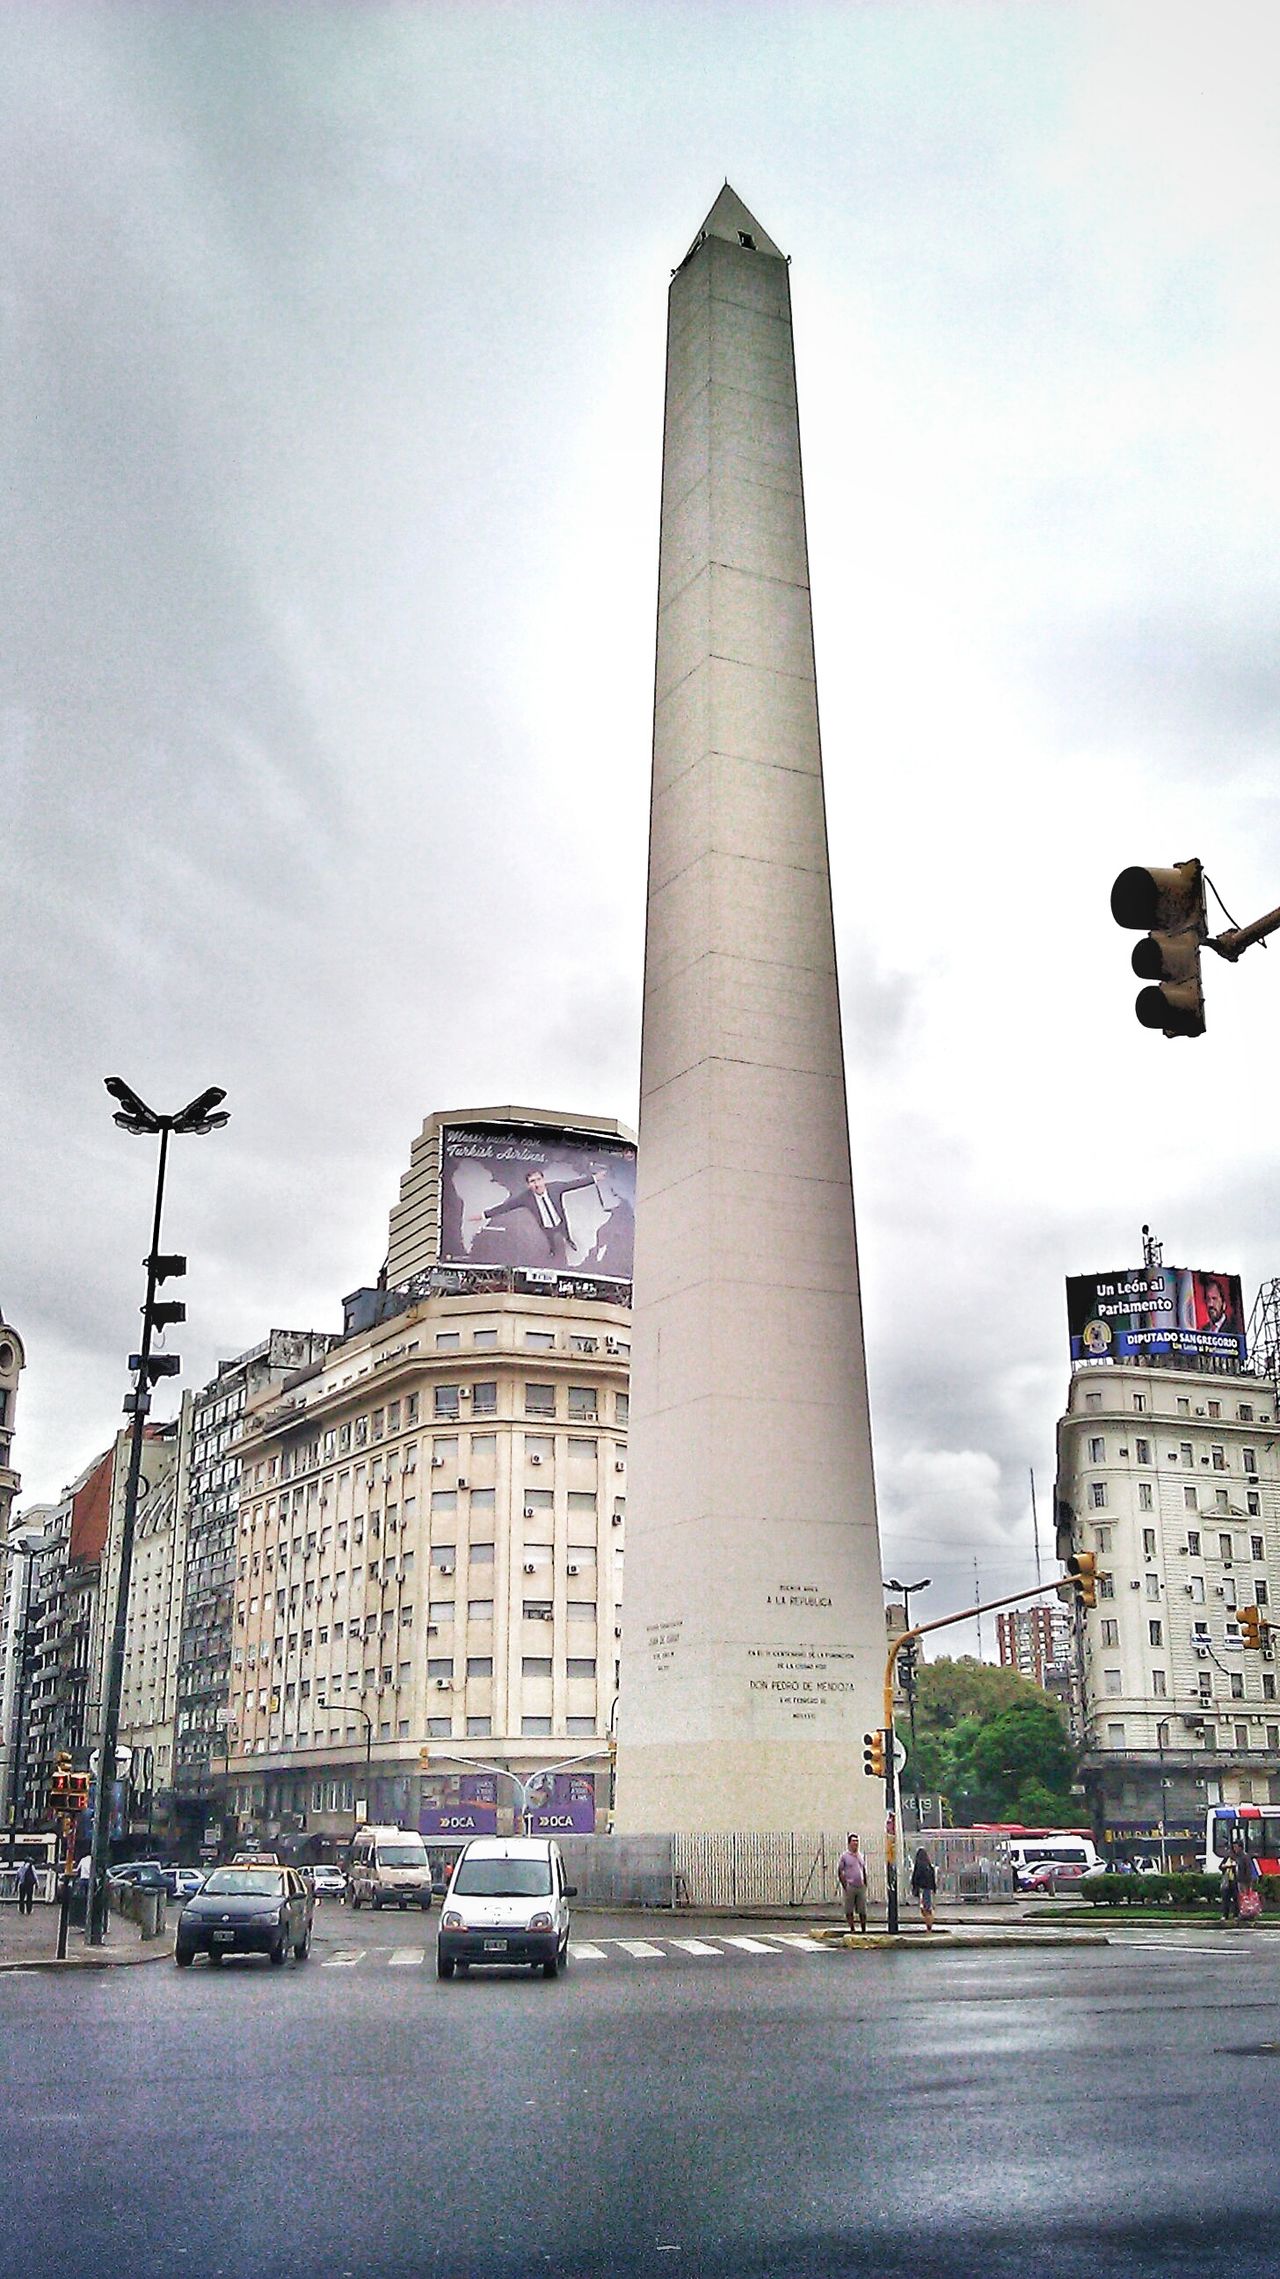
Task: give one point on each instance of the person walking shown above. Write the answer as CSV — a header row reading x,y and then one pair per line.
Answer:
x,y
924,1883
851,1875
26,1888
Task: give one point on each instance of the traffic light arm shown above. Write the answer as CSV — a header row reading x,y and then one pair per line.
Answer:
x,y
1238,939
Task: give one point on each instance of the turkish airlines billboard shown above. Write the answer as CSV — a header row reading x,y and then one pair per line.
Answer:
x,y
1151,1312
537,1198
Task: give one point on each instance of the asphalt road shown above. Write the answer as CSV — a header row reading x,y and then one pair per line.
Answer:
x,y
747,2112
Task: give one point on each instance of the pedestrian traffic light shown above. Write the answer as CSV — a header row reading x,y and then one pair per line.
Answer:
x,y
873,1758
1255,1630
59,1782
77,1792
1083,1570
1169,904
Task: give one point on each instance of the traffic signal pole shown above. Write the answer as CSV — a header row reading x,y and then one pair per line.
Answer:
x,y
97,1922
1081,1581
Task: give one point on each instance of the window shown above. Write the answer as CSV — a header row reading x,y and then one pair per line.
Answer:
x,y
479,1728
1098,1494
622,1407
582,1404
1158,1685
1111,1681
1242,1736
1115,1736
539,1400
582,1446
1224,1547
581,1610
440,1666
1257,1546
411,1409
448,1340
482,1554
1140,1403
1219,1456
1155,1633
1142,1450
480,1609
439,1728
1221,1500
536,1666
479,1665
1148,1542
1097,1452
484,1336
1215,1408
1102,1537
1268,1685
580,1728
447,1403
1260,1591
1237,1686
1106,1586
1184,1452
1193,1541
1144,1495
1196,1588
1110,1631
484,1448
580,1666
1189,1498
1093,1400
1249,1459
484,1398
1152,1583
440,1610
540,1340
536,1727
1184,1404
1253,1504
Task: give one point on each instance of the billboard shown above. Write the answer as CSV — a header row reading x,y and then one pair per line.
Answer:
x,y
1154,1312
536,1197
564,1804
459,1804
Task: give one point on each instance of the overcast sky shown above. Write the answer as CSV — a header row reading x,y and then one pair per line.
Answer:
x,y
332,394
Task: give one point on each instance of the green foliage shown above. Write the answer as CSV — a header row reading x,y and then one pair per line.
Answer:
x,y
994,1744
1179,1891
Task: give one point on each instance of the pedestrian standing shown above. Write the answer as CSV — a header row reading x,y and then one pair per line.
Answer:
x,y
26,1888
1229,1888
924,1883
851,1875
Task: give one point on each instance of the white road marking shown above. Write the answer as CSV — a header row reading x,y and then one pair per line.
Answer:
x,y
344,1958
697,1947
408,1955
802,1941
588,1954
748,1946
1176,1947
642,1947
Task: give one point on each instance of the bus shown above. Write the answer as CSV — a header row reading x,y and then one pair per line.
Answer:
x,y
1249,1824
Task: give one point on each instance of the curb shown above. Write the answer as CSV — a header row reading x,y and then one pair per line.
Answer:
x,y
942,1940
159,1950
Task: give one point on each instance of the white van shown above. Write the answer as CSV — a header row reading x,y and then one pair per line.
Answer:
x,y
507,1902
389,1867
1068,1849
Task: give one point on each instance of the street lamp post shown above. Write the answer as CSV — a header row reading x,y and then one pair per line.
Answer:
x,y
1162,1743
908,1592
357,1709
133,1115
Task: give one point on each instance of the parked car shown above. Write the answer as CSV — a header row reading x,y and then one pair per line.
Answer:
x,y
180,1883
247,1910
328,1883
148,1875
507,1902
1052,1876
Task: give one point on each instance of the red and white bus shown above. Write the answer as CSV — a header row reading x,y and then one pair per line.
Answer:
x,y
1253,1825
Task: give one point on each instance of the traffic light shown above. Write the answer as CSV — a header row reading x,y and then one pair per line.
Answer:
x,y
77,1792
59,1783
873,1755
1169,904
1083,1570
1255,1630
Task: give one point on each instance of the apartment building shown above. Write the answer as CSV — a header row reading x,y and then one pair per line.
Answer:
x,y
12,1363
430,1557
1172,1480
1036,1641
211,1500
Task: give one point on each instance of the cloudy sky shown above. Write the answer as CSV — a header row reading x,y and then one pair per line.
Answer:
x,y
332,394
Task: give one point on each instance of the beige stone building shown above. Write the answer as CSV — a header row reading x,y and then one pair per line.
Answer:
x,y
430,1555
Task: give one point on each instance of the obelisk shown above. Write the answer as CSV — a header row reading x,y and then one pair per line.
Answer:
x,y
753,1625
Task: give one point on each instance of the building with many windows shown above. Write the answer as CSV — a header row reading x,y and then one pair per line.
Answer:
x,y
1171,1479
1037,1641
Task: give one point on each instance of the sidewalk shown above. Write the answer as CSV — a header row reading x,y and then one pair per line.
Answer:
x,y
30,1942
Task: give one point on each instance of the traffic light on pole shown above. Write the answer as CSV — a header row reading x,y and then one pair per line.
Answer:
x,y
873,1755
78,1792
1169,905
1083,1570
1254,1629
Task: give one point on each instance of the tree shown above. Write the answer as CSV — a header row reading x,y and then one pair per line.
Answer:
x,y
994,1744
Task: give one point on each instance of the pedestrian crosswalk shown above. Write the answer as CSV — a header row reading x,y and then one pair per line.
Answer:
x,y
719,1946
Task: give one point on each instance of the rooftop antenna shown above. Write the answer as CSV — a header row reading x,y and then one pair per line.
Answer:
x,y
1035,1528
1152,1251
977,1600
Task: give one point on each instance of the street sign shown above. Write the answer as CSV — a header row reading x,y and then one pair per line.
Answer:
x,y
124,1761
899,1754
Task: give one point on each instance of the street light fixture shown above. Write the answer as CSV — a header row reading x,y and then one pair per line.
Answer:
x,y
357,1709
133,1115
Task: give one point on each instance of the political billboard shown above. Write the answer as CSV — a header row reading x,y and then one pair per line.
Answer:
x,y
1150,1313
546,1200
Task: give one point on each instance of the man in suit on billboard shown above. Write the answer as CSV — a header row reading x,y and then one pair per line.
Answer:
x,y
542,1201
